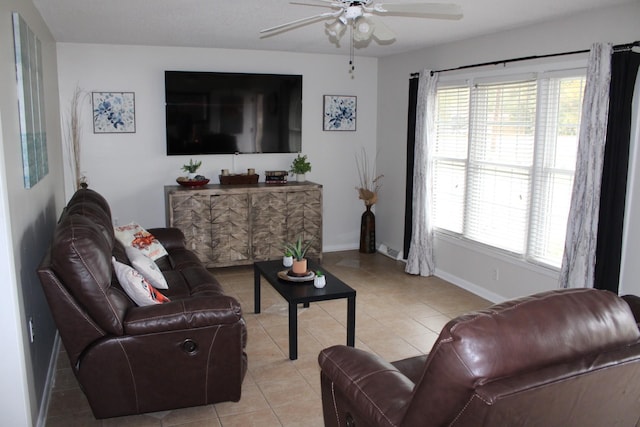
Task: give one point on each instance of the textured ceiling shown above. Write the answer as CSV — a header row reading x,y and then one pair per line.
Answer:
x,y
236,24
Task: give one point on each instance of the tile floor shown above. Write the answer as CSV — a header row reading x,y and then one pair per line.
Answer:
x,y
397,316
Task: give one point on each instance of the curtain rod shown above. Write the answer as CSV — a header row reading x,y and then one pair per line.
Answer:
x,y
616,48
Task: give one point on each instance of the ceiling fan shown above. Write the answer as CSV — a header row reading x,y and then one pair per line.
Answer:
x,y
362,16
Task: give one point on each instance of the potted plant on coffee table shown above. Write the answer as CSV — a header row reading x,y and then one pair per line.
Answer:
x,y
298,251
287,259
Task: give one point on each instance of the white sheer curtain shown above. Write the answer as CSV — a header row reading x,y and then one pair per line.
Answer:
x,y
579,259
420,258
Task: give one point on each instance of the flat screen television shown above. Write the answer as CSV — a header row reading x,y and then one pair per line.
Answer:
x,y
222,113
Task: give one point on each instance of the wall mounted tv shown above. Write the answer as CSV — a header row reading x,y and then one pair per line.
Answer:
x,y
222,113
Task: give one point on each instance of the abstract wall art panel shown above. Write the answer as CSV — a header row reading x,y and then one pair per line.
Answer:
x,y
33,137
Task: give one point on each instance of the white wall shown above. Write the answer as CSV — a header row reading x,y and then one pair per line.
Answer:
x,y
130,170
27,218
456,261
630,267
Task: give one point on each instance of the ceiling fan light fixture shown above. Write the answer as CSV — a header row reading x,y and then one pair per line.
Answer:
x,y
363,29
335,29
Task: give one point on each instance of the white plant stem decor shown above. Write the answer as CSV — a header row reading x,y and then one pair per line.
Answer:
x,y
74,136
370,183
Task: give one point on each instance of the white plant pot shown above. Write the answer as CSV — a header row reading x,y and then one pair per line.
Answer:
x,y
319,281
300,177
192,175
287,261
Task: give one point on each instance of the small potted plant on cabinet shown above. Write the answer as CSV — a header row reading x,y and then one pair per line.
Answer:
x,y
298,250
300,166
191,168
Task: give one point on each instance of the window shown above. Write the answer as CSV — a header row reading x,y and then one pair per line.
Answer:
x,y
504,161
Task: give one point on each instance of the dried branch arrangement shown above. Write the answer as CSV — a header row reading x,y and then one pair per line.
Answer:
x,y
370,183
73,134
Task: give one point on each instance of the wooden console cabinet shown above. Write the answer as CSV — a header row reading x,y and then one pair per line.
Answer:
x,y
238,224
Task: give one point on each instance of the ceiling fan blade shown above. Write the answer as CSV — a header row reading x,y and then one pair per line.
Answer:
x,y
321,3
302,21
381,31
426,10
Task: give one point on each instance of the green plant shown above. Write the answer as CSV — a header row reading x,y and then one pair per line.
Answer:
x,y
300,165
287,253
299,248
192,167
319,273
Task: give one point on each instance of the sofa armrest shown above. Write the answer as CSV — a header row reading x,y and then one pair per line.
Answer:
x,y
169,237
375,388
634,304
187,313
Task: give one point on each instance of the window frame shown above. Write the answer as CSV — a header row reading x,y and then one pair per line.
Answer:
x,y
510,72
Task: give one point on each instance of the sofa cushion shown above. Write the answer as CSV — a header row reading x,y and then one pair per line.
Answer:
x,y
146,267
136,286
190,282
134,235
81,257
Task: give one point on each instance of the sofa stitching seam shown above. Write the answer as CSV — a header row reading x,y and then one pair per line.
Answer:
x,y
133,378
464,409
184,312
206,380
77,307
335,403
355,382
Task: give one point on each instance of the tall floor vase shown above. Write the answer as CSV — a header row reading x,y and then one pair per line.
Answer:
x,y
368,232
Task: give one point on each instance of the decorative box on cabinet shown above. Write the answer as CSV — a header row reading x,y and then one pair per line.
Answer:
x,y
236,225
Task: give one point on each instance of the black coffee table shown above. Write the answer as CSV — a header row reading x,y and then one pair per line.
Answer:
x,y
304,293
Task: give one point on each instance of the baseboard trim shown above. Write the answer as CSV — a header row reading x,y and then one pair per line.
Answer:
x,y
49,383
471,287
339,248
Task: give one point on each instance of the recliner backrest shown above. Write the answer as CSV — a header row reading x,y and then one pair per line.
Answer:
x,y
478,349
81,259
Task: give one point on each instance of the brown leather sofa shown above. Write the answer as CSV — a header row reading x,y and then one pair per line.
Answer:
x,y
560,358
130,359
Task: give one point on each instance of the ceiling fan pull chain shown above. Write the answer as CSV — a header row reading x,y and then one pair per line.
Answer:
x,y
352,65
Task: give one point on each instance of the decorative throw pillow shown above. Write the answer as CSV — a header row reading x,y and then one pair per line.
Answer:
x,y
136,286
136,236
147,267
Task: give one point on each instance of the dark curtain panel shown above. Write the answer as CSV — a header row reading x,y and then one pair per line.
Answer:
x,y
411,143
624,68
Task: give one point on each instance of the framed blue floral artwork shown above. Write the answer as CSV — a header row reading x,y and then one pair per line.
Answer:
x,y
339,113
114,112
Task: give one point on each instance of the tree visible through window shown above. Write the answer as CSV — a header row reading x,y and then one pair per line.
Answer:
x,y
504,161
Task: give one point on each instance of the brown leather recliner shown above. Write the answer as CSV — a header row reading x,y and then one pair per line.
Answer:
x,y
559,358
130,359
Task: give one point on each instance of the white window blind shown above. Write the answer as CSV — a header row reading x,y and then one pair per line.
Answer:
x,y
504,162
557,145
450,162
